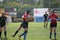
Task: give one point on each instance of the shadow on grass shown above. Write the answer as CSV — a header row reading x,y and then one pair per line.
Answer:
x,y
3,38
54,39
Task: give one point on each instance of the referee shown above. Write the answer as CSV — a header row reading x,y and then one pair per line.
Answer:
x,y
45,20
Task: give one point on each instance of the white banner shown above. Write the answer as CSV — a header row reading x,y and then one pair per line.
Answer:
x,y
40,11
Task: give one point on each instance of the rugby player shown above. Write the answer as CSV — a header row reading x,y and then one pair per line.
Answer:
x,y
3,21
45,20
24,25
53,25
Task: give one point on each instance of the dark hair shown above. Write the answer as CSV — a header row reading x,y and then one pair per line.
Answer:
x,y
3,13
27,11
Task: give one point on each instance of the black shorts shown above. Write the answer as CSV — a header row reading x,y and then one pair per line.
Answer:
x,y
2,24
53,25
24,24
45,20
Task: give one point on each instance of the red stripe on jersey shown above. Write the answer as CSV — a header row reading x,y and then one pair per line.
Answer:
x,y
25,17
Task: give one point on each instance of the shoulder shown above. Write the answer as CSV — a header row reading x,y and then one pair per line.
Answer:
x,y
55,14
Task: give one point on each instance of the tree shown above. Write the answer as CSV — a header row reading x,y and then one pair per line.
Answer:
x,y
51,3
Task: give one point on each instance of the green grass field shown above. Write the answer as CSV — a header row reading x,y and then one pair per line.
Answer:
x,y
35,31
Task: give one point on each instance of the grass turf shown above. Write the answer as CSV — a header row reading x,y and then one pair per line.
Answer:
x,y
35,31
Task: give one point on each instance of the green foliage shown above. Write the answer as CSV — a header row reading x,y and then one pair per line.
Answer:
x,y
23,5
12,4
52,3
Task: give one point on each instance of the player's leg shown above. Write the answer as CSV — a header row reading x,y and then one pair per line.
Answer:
x,y
0,31
24,33
5,30
51,32
51,29
55,26
16,31
25,27
46,24
55,33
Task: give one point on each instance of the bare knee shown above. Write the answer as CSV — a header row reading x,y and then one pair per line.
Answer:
x,y
4,28
54,29
25,30
0,29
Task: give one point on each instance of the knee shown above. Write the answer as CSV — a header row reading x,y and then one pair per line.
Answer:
x,y
54,30
4,29
0,29
25,31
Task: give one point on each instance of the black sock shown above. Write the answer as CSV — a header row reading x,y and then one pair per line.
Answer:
x,y
5,33
25,32
54,35
0,34
50,34
16,32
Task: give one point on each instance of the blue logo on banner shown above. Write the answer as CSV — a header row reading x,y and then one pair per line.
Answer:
x,y
39,19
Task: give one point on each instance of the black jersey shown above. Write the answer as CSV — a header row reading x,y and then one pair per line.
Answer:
x,y
0,20
45,16
3,19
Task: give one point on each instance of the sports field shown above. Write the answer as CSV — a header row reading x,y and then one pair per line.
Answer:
x,y
35,31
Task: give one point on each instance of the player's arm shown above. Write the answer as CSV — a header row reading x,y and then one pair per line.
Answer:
x,y
49,17
56,17
24,18
6,20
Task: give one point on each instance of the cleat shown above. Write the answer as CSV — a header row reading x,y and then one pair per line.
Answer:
x,y
50,37
55,38
13,35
